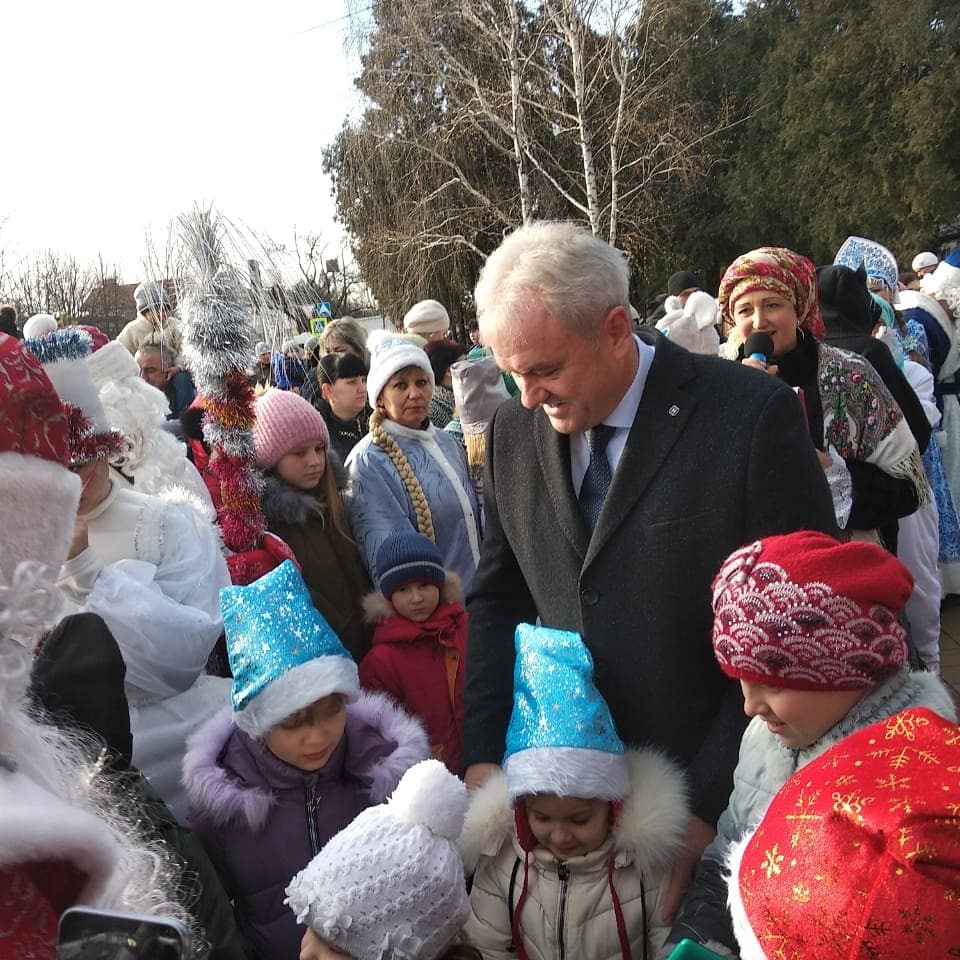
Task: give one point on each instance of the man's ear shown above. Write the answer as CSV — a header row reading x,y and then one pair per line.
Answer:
x,y
618,325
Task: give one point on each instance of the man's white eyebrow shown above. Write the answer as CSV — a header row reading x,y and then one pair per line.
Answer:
x,y
539,368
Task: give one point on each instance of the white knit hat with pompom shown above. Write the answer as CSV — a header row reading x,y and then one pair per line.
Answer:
x,y
390,885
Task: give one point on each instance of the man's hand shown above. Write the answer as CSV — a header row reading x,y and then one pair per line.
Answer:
x,y
79,543
478,773
699,835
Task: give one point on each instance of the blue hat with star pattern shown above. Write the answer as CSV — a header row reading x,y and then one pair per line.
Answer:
x,y
561,739
283,653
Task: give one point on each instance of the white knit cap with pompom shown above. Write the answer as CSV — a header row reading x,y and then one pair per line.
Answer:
x,y
391,883
428,795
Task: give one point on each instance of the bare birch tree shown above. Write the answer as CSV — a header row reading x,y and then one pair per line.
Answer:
x,y
485,114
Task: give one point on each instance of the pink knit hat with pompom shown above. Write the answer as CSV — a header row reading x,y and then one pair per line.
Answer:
x,y
284,420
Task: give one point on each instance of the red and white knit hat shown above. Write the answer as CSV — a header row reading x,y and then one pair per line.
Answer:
x,y
40,494
807,612
858,855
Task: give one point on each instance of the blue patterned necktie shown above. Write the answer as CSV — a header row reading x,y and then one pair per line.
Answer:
x,y
596,481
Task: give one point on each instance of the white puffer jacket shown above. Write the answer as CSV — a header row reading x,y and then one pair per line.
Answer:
x,y
569,908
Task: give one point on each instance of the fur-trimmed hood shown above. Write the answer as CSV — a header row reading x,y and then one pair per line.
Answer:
x,y
377,607
650,827
382,742
286,504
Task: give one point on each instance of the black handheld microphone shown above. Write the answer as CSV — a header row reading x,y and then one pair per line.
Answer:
x,y
759,346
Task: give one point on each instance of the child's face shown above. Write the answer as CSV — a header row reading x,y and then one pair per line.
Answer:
x,y
568,826
416,601
303,466
306,739
798,717
313,948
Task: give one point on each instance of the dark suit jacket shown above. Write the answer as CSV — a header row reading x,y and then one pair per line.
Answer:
x,y
718,456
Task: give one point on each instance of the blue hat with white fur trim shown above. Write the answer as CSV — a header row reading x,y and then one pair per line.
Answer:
x,y
283,653
561,739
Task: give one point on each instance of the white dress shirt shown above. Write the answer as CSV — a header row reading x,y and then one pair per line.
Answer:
x,y
620,418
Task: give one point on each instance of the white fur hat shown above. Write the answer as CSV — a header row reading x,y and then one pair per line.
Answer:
x,y
63,354
427,316
113,361
391,883
390,353
945,277
39,325
63,358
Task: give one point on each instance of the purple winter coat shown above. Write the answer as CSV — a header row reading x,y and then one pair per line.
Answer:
x,y
262,820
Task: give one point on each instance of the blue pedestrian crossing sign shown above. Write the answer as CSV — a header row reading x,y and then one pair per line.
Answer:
x,y
325,310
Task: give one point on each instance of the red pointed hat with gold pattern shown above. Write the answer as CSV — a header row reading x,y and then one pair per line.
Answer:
x,y
858,856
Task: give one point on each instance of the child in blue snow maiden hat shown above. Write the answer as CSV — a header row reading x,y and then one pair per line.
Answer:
x,y
571,846
298,757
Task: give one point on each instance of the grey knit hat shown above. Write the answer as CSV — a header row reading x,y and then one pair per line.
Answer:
x,y
150,295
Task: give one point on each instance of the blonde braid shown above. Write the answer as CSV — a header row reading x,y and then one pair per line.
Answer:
x,y
417,497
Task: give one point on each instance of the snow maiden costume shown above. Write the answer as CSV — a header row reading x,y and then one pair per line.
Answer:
x,y
153,571
561,741
405,478
260,818
62,843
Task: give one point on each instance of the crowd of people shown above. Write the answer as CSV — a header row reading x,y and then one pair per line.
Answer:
x,y
592,637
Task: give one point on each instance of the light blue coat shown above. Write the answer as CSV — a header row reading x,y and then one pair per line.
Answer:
x,y
378,503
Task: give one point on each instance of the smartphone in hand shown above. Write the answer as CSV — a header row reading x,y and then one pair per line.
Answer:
x,y
89,934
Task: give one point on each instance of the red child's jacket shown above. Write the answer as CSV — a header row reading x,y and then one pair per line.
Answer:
x,y
422,666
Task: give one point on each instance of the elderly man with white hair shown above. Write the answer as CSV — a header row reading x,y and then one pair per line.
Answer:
x,y
616,484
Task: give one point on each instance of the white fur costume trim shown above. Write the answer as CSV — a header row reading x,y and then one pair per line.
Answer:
x,y
651,825
113,361
750,948
296,689
37,826
567,772
74,385
40,500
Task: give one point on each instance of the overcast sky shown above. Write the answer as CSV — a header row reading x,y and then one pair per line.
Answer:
x,y
120,114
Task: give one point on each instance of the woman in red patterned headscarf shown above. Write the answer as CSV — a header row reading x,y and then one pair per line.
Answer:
x,y
868,452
